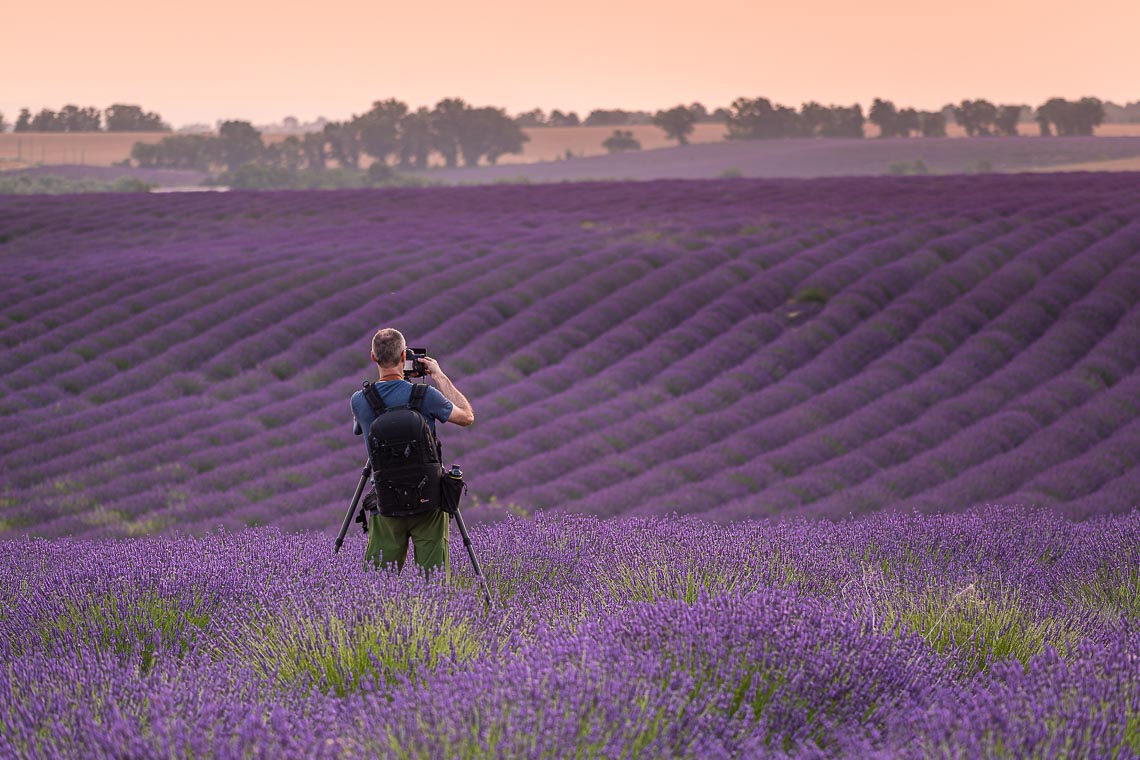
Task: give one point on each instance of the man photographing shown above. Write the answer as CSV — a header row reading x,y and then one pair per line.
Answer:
x,y
391,523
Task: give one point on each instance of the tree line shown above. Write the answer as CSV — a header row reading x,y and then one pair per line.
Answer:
x,y
394,135
72,118
390,133
759,118
611,117
438,129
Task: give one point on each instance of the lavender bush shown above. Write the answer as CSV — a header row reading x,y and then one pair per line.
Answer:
x,y
998,632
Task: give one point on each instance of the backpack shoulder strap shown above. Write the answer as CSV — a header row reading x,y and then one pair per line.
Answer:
x,y
418,392
372,396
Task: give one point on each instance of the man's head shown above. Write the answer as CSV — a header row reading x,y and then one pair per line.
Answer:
x,y
388,348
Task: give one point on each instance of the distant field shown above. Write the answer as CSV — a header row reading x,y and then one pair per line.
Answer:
x,y
546,144
1116,165
732,348
815,158
19,150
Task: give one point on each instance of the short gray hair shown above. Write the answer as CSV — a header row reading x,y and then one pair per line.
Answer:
x,y
388,347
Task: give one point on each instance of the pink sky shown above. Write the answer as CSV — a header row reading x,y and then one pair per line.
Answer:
x,y
260,61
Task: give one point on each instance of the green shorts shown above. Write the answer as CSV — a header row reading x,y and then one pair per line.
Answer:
x,y
388,541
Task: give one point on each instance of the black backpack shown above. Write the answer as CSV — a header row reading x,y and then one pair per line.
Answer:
x,y
405,455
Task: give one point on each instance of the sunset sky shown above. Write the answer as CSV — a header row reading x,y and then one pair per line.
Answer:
x,y
263,61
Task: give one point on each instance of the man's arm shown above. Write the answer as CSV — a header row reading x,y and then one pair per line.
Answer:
x,y
461,412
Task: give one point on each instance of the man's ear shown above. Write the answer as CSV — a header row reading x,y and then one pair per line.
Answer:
x,y
373,353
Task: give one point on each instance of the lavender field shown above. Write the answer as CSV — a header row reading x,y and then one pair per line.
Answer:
x,y
992,633
734,349
734,448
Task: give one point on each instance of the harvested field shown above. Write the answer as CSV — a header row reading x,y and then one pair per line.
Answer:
x,y
1114,165
813,158
25,149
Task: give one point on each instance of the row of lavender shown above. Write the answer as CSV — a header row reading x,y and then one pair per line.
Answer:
x,y
733,348
993,633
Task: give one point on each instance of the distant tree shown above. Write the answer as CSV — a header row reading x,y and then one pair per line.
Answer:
x,y
559,119
23,121
533,118
932,123
699,112
815,119
505,135
1007,120
272,156
1070,118
239,143
313,146
289,154
844,121
1090,115
1045,116
447,126
720,115
605,118
884,115
72,118
128,118
1129,113
977,117
343,140
1055,113
1079,117
488,132
677,123
379,128
199,152
3,124
473,136
757,119
906,121
621,140
616,117
145,155
45,121
416,139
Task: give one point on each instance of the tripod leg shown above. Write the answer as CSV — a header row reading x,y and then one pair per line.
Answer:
x,y
352,506
471,553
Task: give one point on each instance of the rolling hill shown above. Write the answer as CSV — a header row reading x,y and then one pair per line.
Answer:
x,y
731,348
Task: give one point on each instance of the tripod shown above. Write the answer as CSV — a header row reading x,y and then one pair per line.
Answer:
x,y
364,475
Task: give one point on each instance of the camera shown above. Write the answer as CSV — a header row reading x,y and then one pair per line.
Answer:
x,y
413,363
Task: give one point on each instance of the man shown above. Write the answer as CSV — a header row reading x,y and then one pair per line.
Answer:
x,y
388,536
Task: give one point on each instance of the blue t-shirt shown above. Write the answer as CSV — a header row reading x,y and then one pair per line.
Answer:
x,y
397,393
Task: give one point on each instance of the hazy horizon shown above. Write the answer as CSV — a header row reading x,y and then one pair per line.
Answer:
x,y
260,64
